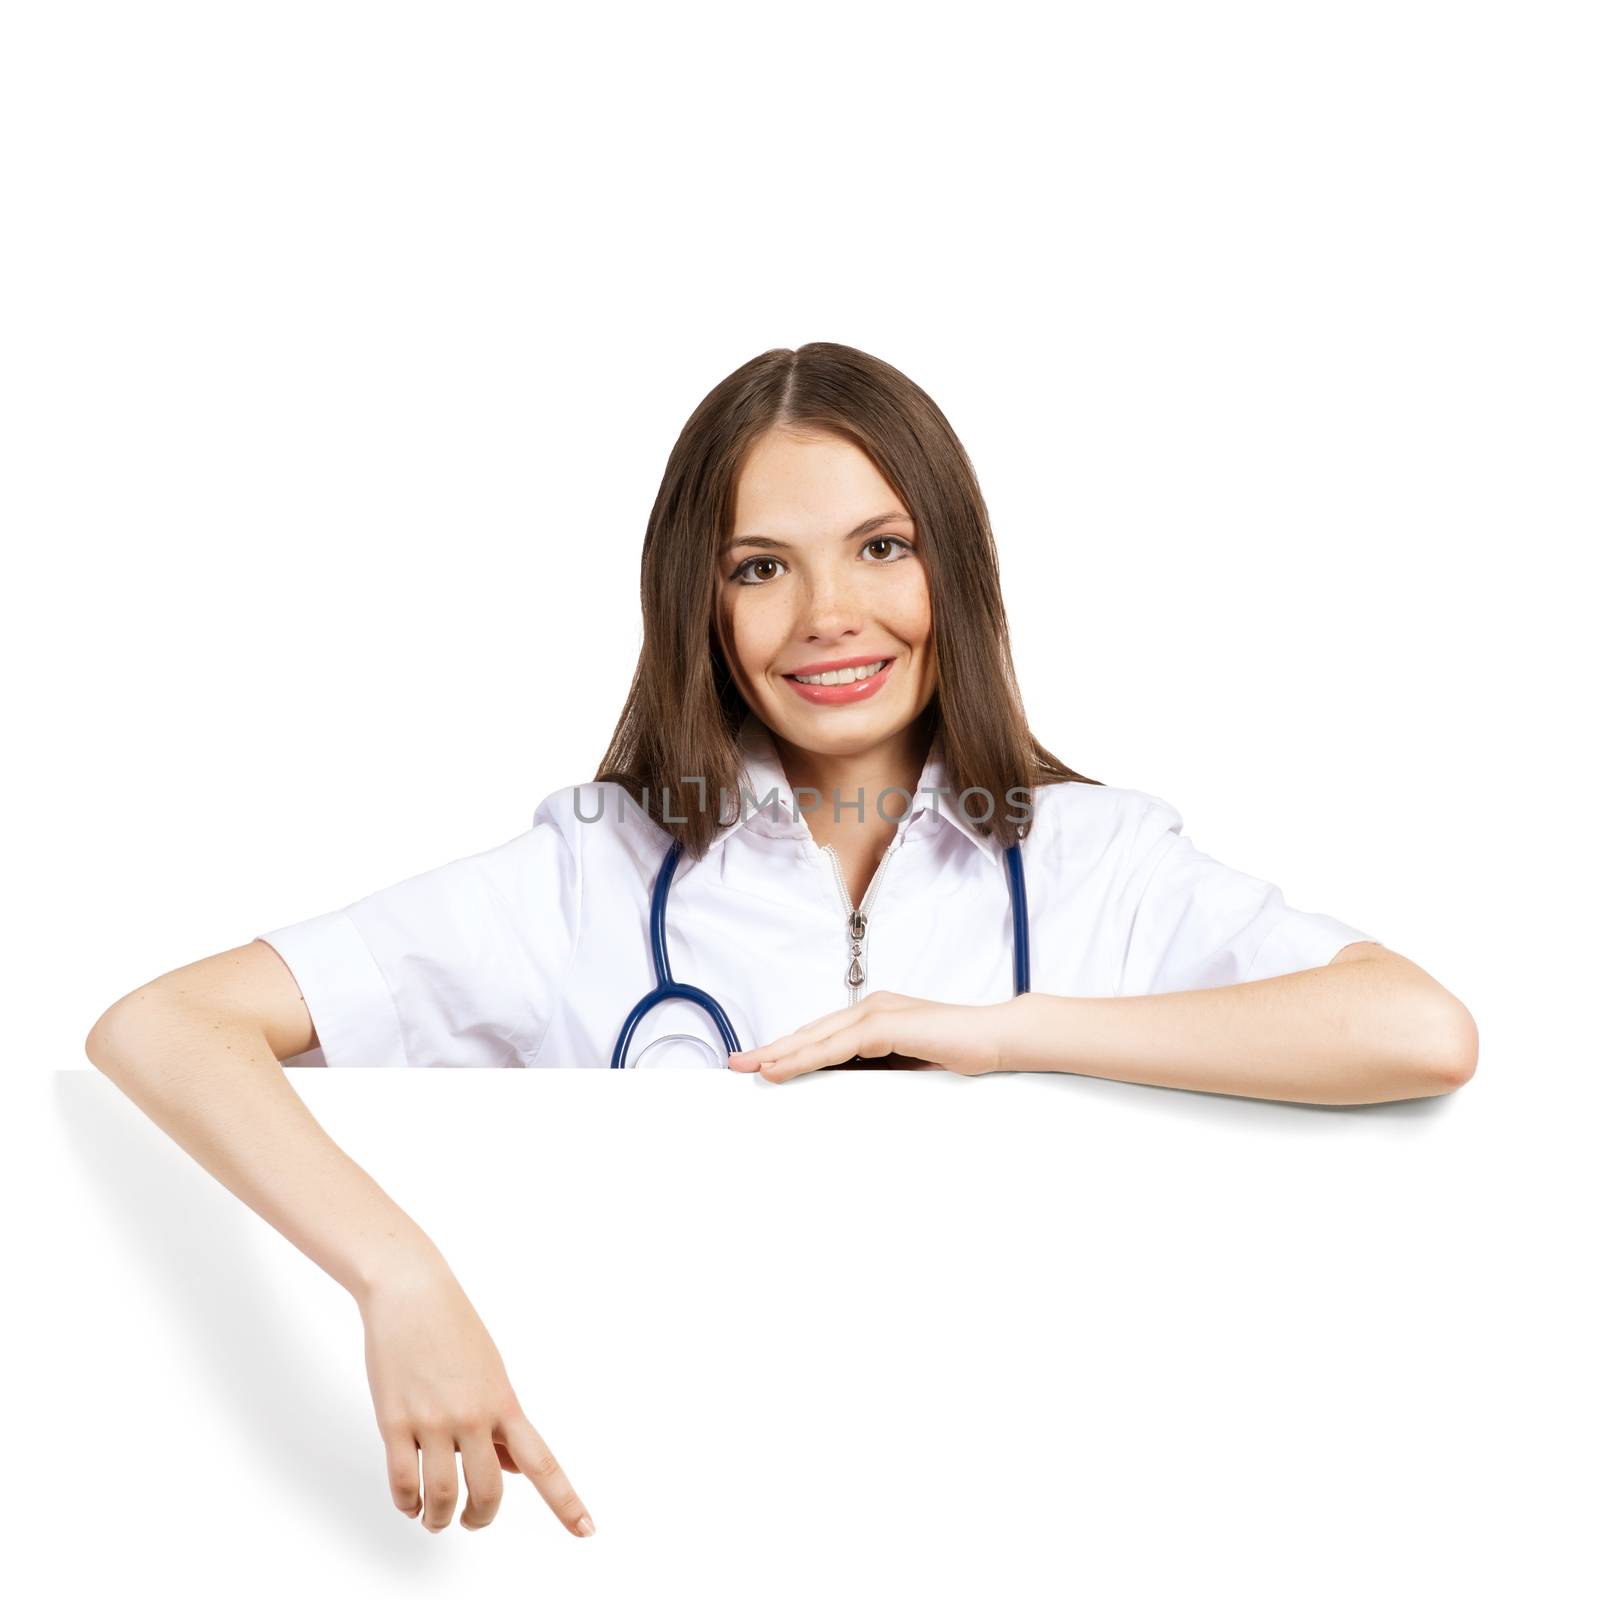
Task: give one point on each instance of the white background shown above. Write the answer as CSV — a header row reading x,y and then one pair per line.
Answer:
x,y
343,347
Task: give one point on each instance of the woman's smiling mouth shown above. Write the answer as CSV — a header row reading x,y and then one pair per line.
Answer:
x,y
843,682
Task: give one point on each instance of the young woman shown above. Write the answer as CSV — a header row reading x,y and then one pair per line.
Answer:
x,y
823,834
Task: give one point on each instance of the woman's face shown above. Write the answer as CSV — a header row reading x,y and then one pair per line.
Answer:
x,y
822,567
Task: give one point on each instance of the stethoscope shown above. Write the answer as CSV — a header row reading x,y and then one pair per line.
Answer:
x,y
667,988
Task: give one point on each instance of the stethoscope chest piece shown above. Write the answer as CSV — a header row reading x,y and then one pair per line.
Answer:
x,y
679,1050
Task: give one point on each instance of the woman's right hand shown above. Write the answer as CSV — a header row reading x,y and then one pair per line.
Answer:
x,y
438,1384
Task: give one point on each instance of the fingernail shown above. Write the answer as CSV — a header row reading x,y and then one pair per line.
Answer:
x,y
585,1525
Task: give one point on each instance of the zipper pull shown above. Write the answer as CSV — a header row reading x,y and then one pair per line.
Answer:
x,y
857,926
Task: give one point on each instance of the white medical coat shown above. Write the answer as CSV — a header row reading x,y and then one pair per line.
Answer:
x,y
533,953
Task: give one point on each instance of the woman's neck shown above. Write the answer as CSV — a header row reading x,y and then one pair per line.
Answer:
x,y
858,834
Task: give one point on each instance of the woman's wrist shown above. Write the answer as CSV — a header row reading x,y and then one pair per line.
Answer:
x,y
407,1257
1033,1036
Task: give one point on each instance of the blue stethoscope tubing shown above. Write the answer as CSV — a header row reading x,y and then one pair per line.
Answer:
x,y
667,989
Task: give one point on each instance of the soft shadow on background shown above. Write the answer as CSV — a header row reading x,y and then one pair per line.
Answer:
x,y
199,1251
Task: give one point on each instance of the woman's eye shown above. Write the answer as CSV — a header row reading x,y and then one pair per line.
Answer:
x,y
745,567
891,542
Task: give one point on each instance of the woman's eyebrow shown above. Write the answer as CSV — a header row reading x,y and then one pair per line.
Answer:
x,y
760,541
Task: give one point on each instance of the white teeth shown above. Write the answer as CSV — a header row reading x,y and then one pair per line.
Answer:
x,y
843,675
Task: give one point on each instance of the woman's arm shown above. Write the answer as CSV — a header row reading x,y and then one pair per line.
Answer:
x,y
197,1051
1368,1026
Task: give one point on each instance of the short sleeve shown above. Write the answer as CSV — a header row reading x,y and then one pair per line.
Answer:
x,y
1198,924
460,966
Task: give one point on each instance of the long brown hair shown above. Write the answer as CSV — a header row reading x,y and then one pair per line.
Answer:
x,y
683,711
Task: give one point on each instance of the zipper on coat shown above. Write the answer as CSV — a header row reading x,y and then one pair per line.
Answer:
x,y
856,921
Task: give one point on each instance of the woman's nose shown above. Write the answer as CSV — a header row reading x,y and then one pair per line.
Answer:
x,y
833,604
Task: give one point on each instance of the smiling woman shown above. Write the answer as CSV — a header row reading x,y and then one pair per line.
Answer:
x,y
823,832
822,807
818,512
822,618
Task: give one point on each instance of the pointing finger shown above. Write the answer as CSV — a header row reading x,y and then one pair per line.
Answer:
x,y
536,1463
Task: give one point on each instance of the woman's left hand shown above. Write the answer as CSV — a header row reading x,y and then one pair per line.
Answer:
x,y
886,1030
